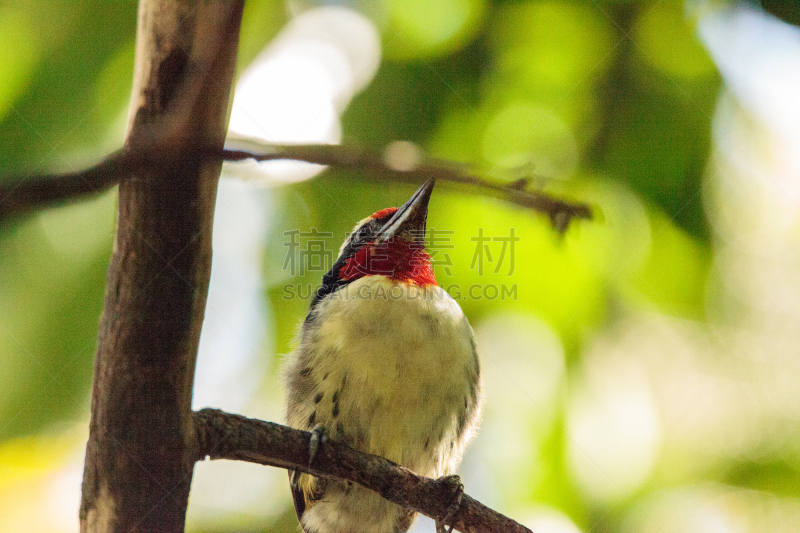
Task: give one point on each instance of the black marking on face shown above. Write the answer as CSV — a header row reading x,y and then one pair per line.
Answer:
x,y
325,376
427,443
312,419
331,282
318,397
305,372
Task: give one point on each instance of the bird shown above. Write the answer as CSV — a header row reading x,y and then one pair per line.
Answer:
x,y
387,364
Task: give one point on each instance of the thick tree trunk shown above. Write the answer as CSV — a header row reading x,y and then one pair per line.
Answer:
x,y
141,448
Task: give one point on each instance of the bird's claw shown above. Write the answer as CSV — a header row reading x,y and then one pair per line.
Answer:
x,y
457,487
318,436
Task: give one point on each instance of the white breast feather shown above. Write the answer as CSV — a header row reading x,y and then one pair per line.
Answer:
x,y
406,356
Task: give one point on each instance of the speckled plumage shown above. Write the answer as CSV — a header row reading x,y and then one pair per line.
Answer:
x,y
389,367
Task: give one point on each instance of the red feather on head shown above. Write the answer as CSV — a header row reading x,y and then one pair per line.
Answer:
x,y
384,213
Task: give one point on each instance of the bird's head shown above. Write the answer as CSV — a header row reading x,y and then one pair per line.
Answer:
x,y
390,242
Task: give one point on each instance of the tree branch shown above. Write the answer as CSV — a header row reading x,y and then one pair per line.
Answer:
x,y
384,166
22,195
222,435
139,458
25,194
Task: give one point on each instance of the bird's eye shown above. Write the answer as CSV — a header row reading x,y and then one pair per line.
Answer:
x,y
364,234
362,237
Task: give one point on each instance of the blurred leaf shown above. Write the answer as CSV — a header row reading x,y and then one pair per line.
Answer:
x,y
59,109
659,144
667,40
674,276
552,46
53,269
405,100
424,29
774,475
39,480
261,21
19,55
786,11
522,133
31,457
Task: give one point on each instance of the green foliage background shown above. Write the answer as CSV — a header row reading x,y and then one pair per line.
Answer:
x,y
610,102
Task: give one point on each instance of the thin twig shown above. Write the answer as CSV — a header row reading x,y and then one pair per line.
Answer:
x,y
222,435
375,164
18,196
25,194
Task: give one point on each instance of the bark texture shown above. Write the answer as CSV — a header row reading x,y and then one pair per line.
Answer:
x,y
141,448
227,436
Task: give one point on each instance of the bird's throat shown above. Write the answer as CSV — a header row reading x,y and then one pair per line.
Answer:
x,y
401,260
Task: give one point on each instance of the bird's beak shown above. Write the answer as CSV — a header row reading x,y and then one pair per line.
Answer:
x,y
409,220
